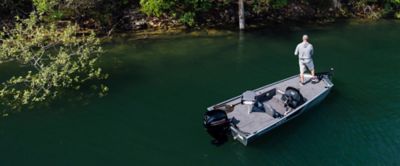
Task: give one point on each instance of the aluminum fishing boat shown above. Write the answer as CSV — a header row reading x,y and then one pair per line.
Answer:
x,y
256,112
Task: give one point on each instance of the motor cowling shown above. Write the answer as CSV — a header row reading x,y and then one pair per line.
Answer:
x,y
293,97
217,125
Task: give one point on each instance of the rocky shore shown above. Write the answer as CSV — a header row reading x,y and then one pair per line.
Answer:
x,y
136,21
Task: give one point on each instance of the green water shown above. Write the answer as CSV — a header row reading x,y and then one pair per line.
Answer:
x,y
161,87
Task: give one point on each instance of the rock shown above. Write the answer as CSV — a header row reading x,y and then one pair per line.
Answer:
x,y
139,24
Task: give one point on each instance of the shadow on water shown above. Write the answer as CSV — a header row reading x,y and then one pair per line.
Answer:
x,y
294,30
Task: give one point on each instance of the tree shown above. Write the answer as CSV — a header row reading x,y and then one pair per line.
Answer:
x,y
52,58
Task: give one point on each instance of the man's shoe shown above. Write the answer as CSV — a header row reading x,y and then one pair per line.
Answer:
x,y
314,80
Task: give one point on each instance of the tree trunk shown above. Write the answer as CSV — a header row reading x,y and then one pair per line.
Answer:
x,y
241,15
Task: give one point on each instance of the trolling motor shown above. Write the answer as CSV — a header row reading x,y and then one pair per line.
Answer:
x,y
328,74
321,75
217,125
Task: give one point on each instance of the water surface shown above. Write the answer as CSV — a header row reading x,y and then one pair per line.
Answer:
x,y
159,89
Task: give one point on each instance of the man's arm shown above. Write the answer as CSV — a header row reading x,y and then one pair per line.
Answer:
x,y
296,51
312,51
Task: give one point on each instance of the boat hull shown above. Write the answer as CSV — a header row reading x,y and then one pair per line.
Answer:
x,y
246,125
246,140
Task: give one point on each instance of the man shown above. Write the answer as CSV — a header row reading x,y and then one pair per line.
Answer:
x,y
305,51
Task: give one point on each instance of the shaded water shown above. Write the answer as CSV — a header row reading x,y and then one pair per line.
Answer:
x,y
161,87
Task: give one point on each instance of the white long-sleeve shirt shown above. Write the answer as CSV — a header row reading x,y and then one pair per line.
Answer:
x,y
304,50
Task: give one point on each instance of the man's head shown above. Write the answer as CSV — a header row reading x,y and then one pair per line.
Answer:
x,y
305,37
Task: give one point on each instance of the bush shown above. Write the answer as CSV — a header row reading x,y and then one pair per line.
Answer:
x,y
186,11
155,7
188,18
54,59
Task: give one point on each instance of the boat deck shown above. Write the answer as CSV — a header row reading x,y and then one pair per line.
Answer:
x,y
251,122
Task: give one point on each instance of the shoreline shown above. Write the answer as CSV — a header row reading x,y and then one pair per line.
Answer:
x,y
176,32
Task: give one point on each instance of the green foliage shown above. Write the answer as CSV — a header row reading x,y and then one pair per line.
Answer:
x,y
105,15
397,15
188,18
155,7
54,59
191,9
44,6
260,6
278,3
185,10
397,2
48,8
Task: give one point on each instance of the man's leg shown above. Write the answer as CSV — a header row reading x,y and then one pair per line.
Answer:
x,y
311,67
302,68
302,77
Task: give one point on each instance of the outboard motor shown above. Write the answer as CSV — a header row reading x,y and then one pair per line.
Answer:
x,y
293,97
217,124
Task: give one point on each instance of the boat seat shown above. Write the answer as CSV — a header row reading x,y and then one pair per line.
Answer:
x,y
255,102
249,97
263,97
271,111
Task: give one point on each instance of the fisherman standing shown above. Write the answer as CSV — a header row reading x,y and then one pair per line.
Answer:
x,y
305,52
